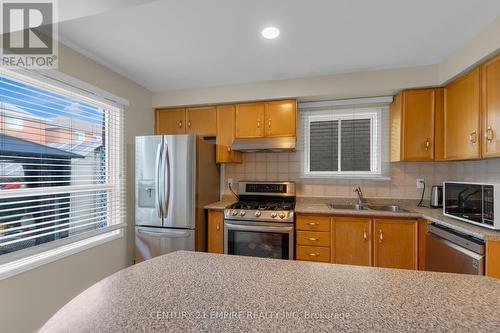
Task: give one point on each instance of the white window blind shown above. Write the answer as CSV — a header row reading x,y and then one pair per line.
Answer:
x,y
341,140
61,165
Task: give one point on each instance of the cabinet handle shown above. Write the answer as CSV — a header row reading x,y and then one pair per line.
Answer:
x,y
312,239
228,149
489,134
189,123
269,123
473,137
179,124
365,235
258,123
381,235
427,144
218,226
313,254
312,223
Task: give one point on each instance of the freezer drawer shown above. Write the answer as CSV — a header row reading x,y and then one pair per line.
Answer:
x,y
448,252
153,242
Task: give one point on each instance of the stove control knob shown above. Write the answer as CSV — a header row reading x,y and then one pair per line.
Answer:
x,y
242,213
273,215
234,212
257,213
282,215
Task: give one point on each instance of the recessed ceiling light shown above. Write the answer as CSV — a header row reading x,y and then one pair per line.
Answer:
x,y
270,32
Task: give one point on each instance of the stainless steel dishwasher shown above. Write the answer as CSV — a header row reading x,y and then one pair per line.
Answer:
x,y
447,250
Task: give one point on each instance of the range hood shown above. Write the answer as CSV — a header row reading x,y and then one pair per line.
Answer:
x,y
263,144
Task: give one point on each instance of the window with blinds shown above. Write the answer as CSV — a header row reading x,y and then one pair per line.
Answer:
x,y
342,142
60,165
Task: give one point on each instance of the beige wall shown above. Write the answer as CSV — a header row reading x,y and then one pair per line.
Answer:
x,y
27,300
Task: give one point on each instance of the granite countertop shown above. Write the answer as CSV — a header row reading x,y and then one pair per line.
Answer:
x,y
192,292
318,205
221,205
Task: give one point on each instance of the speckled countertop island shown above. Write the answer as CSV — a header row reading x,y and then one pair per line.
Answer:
x,y
191,292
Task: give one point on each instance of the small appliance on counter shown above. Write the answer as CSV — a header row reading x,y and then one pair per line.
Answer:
x,y
474,203
437,196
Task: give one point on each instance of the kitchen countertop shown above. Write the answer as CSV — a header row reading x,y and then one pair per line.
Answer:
x,y
318,205
192,291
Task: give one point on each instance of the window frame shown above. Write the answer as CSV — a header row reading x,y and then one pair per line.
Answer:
x,y
29,258
372,113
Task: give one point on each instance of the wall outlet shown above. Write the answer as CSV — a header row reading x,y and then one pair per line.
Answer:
x,y
420,183
230,182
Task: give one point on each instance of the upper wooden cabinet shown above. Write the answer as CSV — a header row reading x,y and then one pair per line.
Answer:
x,y
462,128
225,135
412,125
395,243
170,121
270,119
352,241
281,118
490,76
250,120
201,121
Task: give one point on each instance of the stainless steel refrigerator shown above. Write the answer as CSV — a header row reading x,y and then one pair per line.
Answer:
x,y
176,176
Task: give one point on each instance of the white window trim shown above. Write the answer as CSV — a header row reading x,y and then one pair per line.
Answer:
x,y
24,260
376,130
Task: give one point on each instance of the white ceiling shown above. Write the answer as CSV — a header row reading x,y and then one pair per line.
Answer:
x,y
170,45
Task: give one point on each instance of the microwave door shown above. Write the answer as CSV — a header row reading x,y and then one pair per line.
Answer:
x,y
148,187
179,162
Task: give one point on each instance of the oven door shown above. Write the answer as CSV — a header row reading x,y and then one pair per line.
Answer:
x,y
259,239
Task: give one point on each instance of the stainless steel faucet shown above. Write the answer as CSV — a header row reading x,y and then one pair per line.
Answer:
x,y
358,191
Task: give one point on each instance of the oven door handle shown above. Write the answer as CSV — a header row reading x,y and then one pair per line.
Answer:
x,y
241,227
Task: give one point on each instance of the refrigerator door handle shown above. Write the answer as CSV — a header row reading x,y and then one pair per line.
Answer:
x,y
158,182
166,182
165,233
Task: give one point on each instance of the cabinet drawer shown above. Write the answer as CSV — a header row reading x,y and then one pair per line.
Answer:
x,y
313,223
313,238
313,253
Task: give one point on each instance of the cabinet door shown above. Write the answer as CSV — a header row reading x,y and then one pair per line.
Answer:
x,y
170,121
281,118
202,121
225,135
215,231
439,125
396,128
395,243
352,241
418,125
491,107
461,118
250,120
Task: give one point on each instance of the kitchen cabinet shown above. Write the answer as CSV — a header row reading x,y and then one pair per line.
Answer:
x,y
313,223
313,238
201,121
266,119
313,253
412,125
352,241
395,243
225,135
170,121
490,93
215,231
250,120
439,125
462,136
281,118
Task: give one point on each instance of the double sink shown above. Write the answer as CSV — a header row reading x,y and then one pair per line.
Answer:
x,y
360,207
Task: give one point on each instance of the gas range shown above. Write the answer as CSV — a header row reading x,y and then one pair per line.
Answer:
x,y
263,201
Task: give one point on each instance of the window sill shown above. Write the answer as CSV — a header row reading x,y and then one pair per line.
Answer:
x,y
36,260
346,176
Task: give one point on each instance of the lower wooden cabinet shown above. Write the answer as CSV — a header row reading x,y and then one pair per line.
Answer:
x,y
215,231
313,253
395,243
352,241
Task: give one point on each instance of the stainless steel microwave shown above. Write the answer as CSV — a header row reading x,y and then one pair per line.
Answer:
x,y
475,203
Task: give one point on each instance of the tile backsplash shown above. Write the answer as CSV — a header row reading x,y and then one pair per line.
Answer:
x,y
286,166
